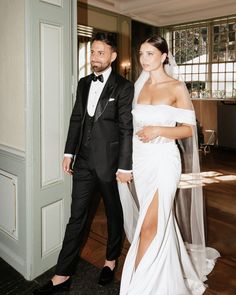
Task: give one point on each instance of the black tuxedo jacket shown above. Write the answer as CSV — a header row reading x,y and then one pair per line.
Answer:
x,y
111,138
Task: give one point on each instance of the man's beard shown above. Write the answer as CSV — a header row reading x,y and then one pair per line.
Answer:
x,y
100,67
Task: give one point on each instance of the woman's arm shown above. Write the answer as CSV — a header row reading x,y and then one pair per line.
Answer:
x,y
178,132
151,132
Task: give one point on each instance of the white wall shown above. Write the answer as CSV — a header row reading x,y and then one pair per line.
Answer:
x,y
12,126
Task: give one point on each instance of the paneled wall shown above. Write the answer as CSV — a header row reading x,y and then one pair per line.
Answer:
x,y
36,89
12,134
12,75
9,204
13,207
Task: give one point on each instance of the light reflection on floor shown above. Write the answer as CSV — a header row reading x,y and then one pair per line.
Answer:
x,y
189,180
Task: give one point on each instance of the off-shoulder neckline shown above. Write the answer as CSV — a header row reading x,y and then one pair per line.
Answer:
x,y
162,105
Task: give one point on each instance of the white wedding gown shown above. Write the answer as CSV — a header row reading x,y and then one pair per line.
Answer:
x,y
166,267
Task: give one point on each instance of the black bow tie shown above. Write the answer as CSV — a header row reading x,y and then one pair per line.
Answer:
x,y
95,78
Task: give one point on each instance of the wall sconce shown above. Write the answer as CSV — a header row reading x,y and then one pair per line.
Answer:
x,y
125,68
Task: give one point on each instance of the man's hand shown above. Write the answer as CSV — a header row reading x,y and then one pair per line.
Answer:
x,y
66,164
124,177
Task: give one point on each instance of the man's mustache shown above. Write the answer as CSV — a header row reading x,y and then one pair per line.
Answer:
x,y
96,62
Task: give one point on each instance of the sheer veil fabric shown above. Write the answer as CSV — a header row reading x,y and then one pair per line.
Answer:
x,y
188,206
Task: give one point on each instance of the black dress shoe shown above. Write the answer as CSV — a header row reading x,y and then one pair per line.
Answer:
x,y
49,288
106,276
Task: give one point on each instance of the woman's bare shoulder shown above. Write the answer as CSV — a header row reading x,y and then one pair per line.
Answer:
x,y
178,84
179,88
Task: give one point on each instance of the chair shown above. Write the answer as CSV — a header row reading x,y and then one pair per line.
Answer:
x,y
211,141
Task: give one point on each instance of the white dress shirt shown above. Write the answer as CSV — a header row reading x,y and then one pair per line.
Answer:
x,y
95,92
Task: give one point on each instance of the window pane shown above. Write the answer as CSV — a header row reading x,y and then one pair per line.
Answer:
x,y
221,86
202,77
221,67
229,67
215,68
214,77
229,76
188,69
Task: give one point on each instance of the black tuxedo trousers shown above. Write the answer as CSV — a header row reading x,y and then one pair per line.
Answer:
x,y
85,180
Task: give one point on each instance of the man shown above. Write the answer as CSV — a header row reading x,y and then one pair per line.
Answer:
x,y
100,135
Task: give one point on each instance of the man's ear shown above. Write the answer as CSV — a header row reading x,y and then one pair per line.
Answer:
x,y
113,56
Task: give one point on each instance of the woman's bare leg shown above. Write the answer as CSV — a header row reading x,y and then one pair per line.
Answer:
x,y
148,230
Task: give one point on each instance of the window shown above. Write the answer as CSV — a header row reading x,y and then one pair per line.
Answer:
x,y
206,55
84,68
84,46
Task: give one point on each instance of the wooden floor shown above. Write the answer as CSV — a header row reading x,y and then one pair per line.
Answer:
x,y
221,225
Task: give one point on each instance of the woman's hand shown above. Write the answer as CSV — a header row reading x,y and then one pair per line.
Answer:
x,y
148,133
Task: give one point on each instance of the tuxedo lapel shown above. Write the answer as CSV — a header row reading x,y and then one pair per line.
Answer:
x,y
85,94
105,95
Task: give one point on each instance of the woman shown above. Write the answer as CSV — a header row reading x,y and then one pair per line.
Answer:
x,y
158,261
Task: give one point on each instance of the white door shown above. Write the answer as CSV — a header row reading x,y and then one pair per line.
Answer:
x,y
49,53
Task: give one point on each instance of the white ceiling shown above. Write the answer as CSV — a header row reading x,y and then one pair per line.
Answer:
x,y
167,12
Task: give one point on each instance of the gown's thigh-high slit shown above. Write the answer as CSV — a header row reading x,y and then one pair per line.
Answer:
x,y
148,229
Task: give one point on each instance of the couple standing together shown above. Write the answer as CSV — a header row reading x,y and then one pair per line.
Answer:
x,y
120,135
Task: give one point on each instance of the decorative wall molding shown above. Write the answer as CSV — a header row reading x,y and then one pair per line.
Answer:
x,y
9,204
52,227
54,2
11,150
12,258
51,36
13,203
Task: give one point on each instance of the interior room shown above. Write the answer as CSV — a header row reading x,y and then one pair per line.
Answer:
x,y
34,193
193,30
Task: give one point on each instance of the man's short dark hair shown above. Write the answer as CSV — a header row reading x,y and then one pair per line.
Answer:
x,y
108,38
